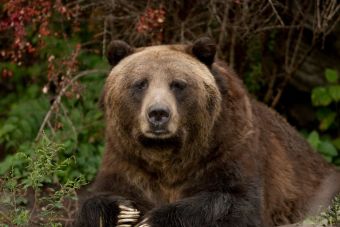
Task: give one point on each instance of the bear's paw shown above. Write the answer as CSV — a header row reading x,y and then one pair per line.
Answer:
x,y
128,216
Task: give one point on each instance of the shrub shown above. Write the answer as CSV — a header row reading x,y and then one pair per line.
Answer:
x,y
41,186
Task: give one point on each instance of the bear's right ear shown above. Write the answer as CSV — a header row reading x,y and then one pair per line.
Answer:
x,y
117,50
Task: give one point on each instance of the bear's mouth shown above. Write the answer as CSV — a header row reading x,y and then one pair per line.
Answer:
x,y
160,143
158,132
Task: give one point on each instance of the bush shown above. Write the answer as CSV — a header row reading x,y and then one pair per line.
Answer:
x,y
41,185
325,99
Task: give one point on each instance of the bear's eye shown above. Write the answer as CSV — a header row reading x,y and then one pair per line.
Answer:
x,y
178,85
140,85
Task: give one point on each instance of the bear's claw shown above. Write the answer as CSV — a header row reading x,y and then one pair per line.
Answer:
x,y
143,223
127,216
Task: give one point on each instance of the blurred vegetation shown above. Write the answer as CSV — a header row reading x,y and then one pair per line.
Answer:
x,y
52,71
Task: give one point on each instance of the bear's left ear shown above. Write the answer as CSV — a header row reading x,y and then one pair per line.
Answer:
x,y
117,50
204,49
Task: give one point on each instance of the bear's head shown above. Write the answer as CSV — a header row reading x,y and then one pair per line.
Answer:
x,y
161,97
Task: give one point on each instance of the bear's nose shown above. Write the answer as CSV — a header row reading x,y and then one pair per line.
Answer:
x,y
158,115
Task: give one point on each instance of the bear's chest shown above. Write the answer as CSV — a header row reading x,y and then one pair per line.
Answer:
x,y
160,195
170,195
152,189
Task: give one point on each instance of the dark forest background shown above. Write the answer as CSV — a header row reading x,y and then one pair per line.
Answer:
x,y
53,68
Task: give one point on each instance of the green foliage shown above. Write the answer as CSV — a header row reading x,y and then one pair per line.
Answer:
x,y
55,202
324,146
82,132
43,163
325,95
59,48
331,75
333,213
314,139
81,135
321,96
334,92
42,63
326,118
23,117
22,218
43,167
329,217
325,98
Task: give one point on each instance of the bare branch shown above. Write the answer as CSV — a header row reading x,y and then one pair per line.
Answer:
x,y
276,13
61,94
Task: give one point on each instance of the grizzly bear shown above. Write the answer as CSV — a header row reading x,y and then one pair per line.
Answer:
x,y
186,145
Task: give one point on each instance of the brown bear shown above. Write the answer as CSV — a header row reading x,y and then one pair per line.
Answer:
x,y
187,146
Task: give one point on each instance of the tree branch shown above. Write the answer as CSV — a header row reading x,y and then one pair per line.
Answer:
x,y
61,93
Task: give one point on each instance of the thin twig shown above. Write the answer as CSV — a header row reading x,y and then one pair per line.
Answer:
x,y
7,219
289,62
104,38
232,48
71,124
318,20
34,205
296,50
61,93
51,127
272,81
276,13
223,26
182,31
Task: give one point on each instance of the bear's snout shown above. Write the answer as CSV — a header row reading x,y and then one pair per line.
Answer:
x,y
158,116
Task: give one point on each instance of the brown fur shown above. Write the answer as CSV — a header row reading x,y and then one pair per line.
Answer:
x,y
241,137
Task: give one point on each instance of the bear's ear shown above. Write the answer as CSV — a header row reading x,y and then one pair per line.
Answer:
x,y
204,49
117,50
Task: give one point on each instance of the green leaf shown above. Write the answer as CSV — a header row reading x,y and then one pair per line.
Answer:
x,y
327,121
336,143
331,75
334,91
6,164
321,97
314,139
328,158
7,128
327,148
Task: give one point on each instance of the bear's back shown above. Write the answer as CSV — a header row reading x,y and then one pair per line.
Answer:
x,y
298,181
